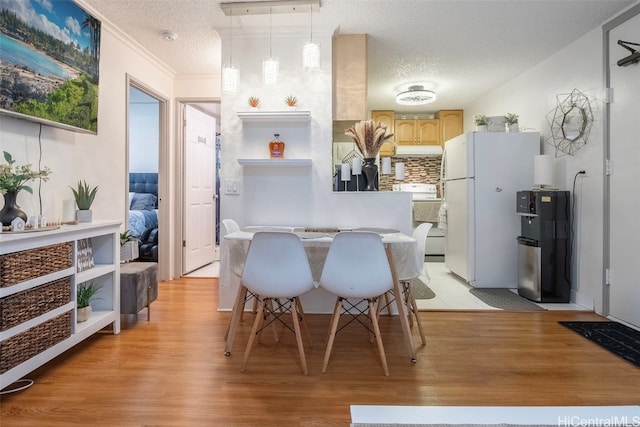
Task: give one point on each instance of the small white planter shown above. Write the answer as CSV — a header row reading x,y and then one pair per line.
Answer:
x,y
83,314
481,128
513,127
84,216
129,251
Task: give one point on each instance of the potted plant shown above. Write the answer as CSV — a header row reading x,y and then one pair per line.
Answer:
x,y
84,196
511,120
128,247
481,122
13,179
85,294
254,102
291,101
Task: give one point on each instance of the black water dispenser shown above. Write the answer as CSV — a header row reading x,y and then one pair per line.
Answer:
x,y
544,264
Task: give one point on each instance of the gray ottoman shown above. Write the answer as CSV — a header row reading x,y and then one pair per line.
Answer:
x,y
138,287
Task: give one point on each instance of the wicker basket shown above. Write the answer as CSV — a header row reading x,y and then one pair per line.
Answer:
x,y
27,344
25,305
17,267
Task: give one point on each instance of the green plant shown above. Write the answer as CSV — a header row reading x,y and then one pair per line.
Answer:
x,y
13,178
511,118
481,120
84,195
126,237
86,293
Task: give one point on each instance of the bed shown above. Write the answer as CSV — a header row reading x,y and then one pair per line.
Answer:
x,y
143,213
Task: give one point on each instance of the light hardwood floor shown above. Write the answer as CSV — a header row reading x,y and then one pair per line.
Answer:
x,y
172,371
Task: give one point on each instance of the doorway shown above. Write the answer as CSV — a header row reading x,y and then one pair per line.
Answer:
x,y
146,145
200,144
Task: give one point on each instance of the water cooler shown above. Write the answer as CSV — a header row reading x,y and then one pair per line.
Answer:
x,y
543,246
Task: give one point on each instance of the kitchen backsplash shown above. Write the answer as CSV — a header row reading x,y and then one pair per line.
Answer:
x,y
424,170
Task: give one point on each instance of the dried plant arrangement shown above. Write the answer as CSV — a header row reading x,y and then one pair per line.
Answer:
x,y
369,136
291,101
254,101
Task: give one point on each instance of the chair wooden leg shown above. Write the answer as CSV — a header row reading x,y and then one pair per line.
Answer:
x,y
236,316
376,329
387,302
252,336
332,333
300,311
414,309
296,327
406,290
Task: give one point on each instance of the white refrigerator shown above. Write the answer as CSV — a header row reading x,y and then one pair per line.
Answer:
x,y
482,173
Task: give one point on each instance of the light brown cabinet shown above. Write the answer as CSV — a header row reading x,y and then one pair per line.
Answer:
x,y
451,124
387,117
417,132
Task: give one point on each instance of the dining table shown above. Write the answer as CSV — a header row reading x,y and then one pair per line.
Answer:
x,y
399,247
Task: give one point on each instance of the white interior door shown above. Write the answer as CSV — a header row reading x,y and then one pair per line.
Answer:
x,y
624,250
199,189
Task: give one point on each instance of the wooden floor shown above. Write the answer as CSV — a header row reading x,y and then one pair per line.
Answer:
x,y
172,371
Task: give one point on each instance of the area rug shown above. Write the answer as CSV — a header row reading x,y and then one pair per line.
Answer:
x,y
421,290
614,337
504,299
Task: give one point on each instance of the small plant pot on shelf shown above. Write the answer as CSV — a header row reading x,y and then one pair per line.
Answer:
x,y
513,127
481,128
83,314
84,216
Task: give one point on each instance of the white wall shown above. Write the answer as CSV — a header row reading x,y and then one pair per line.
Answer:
x,y
98,159
533,95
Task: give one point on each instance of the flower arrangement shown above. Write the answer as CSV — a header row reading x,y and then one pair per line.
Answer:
x,y
254,101
511,118
291,101
14,178
369,136
481,120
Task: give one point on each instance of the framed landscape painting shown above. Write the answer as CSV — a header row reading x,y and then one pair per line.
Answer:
x,y
49,63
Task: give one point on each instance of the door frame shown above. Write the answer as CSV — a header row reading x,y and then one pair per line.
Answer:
x,y
180,175
163,176
606,247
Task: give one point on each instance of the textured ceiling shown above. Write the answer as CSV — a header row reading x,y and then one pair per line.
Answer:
x,y
460,49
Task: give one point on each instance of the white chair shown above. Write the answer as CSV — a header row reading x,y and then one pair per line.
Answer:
x,y
420,235
230,225
276,269
356,267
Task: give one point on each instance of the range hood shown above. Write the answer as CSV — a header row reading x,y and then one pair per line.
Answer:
x,y
418,151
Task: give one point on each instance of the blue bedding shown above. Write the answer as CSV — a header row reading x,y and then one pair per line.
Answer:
x,y
140,220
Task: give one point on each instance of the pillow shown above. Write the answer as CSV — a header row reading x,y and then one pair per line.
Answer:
x,y
131,194
143,201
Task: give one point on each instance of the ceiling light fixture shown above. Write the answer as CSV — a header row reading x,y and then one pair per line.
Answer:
x,y
311,50
230,74
270,65
416,95
169,36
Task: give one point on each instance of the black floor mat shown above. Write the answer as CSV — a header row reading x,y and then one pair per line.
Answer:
x,y
617,338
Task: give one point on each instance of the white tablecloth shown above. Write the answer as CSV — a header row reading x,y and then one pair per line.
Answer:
x,y
234,247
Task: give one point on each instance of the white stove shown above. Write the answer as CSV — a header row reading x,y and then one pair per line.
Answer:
x,y
419,192
426,206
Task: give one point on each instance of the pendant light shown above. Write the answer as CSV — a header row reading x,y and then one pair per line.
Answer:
x,y
230,74
270,66
311,50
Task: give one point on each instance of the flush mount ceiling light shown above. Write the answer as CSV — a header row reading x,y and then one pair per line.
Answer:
x,y
416,95
169,36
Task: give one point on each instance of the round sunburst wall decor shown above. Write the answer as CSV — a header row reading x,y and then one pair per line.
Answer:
x,y
570,122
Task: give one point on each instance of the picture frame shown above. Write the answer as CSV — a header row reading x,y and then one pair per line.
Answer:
x,y
49,64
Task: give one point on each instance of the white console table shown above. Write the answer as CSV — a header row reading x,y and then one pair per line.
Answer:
x,y
30,337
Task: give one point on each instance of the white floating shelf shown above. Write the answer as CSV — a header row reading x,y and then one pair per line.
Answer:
x,y
275,162
293,116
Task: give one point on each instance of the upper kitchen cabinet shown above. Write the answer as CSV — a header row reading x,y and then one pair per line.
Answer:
x,y
451,124
387,117
350,77
417,132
